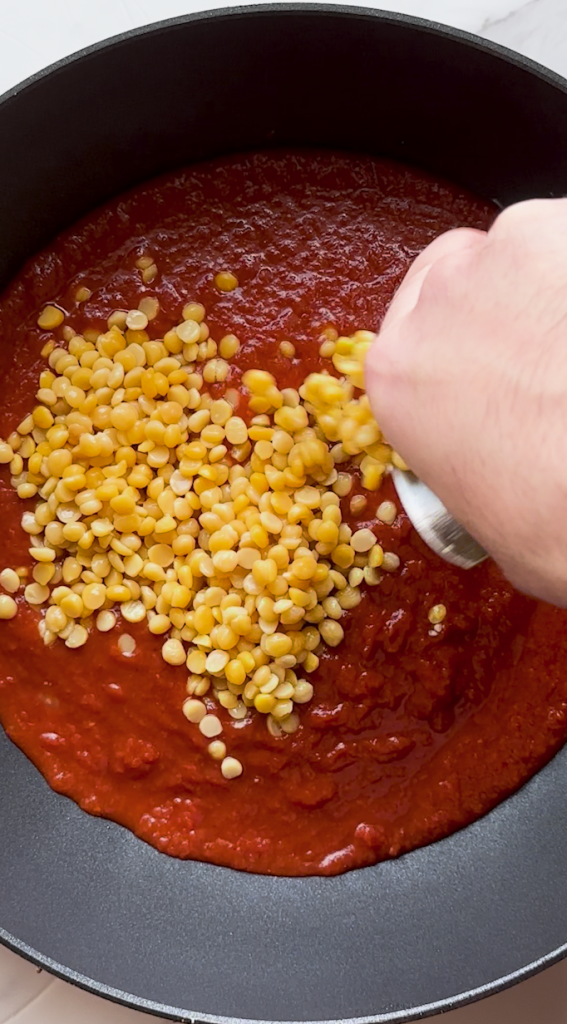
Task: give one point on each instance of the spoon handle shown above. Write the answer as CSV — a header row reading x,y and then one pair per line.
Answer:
x,y
435,525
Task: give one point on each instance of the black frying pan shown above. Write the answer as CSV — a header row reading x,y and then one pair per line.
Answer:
x,y
83,897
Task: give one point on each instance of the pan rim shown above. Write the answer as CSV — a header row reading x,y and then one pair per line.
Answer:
x,y
167,1012
156,28
294,7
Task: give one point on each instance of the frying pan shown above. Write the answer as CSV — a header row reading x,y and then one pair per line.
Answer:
x,y
83,897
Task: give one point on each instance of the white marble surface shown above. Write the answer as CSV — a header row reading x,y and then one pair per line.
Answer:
x,y
33,33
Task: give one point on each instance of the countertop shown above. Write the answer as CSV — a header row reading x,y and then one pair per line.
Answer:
x,y
33,34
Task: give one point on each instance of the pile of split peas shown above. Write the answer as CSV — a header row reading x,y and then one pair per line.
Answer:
x,y
160,503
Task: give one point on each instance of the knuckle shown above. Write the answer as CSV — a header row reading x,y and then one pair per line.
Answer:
x,y
446,275
515,218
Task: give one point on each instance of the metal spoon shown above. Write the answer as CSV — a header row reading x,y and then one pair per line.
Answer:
x,y
435,525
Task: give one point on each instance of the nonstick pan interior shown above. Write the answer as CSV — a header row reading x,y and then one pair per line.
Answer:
x,y
83,897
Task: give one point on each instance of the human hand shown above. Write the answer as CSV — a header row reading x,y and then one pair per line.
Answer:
x,y
468,381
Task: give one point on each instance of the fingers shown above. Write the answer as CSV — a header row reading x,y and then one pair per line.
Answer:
x,y
451,243
454,241
394,362
405,300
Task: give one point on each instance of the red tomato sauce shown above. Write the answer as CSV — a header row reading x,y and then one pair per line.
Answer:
x,y
411,734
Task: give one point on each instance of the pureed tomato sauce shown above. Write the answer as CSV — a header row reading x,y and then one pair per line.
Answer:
x,y
411,733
